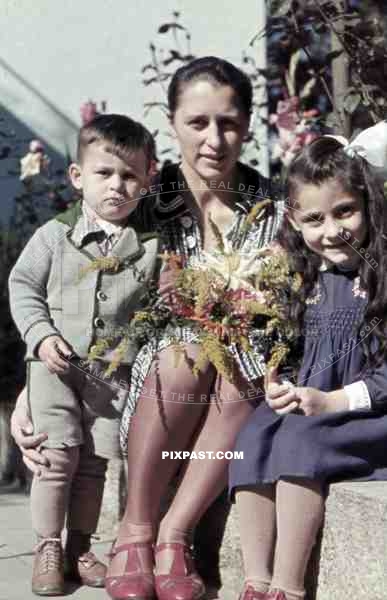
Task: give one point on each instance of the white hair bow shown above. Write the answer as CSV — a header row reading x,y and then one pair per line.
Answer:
x,y
370,144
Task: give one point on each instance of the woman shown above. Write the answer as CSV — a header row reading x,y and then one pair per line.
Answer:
x,y
210,104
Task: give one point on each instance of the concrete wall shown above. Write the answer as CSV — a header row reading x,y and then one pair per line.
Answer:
x,y
55,54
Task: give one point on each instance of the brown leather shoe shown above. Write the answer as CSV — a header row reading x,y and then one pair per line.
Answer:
x,y
182,582
47,575
136,581
249,593
81,564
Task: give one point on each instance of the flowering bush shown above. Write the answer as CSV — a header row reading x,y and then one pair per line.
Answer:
x,y
296,128
44,193
89,110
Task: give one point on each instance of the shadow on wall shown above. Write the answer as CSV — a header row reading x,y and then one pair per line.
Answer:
x,y
26,114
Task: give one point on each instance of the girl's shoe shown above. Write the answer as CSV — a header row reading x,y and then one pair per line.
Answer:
x,y
182,582
47,575
249,593
276,595
136,581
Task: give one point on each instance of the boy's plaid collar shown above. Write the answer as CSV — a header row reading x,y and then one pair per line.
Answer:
x,y
87,225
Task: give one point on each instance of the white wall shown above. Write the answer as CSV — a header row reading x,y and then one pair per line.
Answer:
x,y
55,54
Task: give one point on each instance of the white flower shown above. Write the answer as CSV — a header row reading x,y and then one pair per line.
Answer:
x,y
236,268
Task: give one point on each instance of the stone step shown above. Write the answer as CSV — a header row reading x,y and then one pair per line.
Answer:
x,y
348,562
350,559
353,554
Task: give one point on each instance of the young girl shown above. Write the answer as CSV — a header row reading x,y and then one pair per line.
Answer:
x,y
331,426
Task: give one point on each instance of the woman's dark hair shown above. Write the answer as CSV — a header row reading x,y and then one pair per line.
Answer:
x,y
321,161
215,70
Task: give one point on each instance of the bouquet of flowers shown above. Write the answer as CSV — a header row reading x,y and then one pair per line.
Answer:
x,y
222,297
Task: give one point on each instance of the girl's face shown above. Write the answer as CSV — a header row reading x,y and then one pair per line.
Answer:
x,y
331,221
210,128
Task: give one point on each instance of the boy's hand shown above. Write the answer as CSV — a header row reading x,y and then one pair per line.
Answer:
x,y
282,398
52,351
22,432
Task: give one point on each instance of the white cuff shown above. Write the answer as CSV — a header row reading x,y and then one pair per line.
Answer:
x,y
358,395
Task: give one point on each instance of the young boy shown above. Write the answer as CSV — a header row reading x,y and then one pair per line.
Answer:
x,y
63,299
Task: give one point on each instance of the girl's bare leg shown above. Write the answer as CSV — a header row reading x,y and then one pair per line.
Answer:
x,y
300,513
257,527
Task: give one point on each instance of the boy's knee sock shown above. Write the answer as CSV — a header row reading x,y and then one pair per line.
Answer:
x,y
86,493
50,491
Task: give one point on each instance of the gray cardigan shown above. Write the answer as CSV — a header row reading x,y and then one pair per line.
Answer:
x,y
51,295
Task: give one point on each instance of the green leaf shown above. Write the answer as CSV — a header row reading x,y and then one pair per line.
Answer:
x,y
148,67
217,234
351,103
332,55
331,122
280,8
164,28
167,26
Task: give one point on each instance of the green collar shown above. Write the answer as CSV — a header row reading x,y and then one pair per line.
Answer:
x,y
71,215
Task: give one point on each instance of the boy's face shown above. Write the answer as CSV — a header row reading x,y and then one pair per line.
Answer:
x,y
110,186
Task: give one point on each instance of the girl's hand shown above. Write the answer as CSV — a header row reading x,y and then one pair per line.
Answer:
x,y
314,402
282,398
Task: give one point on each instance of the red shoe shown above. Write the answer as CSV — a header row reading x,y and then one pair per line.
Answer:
x,y
276,595
249,593
136,581
182,582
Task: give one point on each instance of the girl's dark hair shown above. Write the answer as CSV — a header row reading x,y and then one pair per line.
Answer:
x,y
215,70
321,161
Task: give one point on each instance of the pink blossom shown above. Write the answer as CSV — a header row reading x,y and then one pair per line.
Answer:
x,y
36,146
294,129
287,113
88,111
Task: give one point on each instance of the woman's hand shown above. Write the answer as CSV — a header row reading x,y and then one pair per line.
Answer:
x,y
167,284
22,432
282,398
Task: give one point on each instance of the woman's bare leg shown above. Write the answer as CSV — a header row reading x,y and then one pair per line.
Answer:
x,y
165,421
203,480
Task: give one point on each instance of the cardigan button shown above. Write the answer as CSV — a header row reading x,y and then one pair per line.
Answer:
x,y
186,222
191,242
101,296
99,323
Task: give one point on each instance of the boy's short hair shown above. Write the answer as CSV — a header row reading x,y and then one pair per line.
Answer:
x,y
121,134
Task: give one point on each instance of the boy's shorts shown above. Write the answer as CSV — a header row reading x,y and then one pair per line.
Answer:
x,y
79,407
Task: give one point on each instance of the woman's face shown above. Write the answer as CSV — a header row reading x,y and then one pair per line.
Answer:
x,y
210,128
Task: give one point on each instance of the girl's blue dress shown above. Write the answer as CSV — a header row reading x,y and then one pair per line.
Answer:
x,y
330,447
